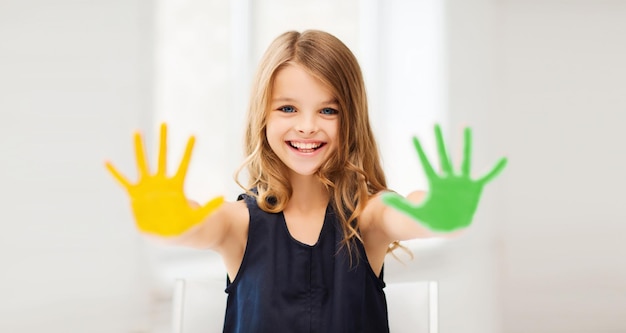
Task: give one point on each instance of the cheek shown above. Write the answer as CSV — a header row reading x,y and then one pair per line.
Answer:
x,y
273,136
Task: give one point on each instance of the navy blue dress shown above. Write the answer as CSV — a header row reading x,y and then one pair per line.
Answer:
x,y
284,285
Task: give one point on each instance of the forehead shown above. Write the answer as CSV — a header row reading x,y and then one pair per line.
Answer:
x,y
293,82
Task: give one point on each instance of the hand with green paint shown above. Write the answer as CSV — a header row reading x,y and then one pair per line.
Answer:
x,y
453,196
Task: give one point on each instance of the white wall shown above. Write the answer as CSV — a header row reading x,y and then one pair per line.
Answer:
x,y
562,84
74,82
544,82
540,81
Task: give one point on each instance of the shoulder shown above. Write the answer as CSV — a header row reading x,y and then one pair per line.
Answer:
x,y
235,211
372,212
238,213
236,233
369,223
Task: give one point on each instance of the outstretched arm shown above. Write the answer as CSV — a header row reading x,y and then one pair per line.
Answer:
x,y
159,204
449,205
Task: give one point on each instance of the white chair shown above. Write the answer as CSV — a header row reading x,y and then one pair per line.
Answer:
x,y
412,307
199,306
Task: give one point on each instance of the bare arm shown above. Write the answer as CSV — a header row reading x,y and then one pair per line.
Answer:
x,y
385,224
227,225
161,208
448,207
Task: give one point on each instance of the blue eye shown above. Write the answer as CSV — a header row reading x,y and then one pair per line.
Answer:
x,y
287,109
329,111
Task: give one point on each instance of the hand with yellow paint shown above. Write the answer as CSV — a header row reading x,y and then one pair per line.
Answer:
x,y
158,201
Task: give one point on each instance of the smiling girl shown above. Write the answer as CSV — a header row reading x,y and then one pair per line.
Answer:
x,y
304,245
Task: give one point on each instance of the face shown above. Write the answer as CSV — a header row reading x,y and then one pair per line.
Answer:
x,y
303,120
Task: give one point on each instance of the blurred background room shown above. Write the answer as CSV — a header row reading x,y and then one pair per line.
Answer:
x,y
540,82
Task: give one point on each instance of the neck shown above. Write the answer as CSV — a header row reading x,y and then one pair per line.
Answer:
x,y
308,193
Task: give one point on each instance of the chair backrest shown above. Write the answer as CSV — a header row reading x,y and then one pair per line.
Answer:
x,y
412,307
199,306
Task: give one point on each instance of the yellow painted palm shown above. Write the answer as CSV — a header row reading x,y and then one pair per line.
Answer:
x,y
158,201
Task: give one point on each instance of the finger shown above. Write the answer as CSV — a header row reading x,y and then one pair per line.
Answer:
x,y
184,164
397,202
446,166
467,152
211,206
162,165
494,172
140,156
117,175
428,168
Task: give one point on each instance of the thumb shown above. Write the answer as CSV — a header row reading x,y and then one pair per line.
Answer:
x,y
398,202
211,206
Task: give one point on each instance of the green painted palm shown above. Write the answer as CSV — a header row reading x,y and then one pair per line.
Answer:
x,y
453,197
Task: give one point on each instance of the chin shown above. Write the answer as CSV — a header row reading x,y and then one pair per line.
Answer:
x,y
304,171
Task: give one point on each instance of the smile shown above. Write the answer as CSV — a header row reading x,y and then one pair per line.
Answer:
x,y
306,147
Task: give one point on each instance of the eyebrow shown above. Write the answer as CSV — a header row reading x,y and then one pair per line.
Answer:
x,y
333,101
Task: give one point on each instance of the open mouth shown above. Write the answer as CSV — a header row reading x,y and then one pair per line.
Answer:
x,y
306,147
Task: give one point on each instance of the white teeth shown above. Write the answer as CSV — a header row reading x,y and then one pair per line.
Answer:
x,y
303,145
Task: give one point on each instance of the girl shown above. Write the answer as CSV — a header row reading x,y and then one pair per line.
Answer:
x,y
304,246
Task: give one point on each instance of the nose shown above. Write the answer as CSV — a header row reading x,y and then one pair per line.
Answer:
x,y
307,124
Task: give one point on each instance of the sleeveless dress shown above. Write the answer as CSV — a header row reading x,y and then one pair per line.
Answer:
x,y
284,285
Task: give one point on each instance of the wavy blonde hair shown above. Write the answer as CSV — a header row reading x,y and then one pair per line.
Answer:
x,y
353,173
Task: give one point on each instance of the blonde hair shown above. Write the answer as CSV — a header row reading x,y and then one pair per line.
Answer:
x,y
353,173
